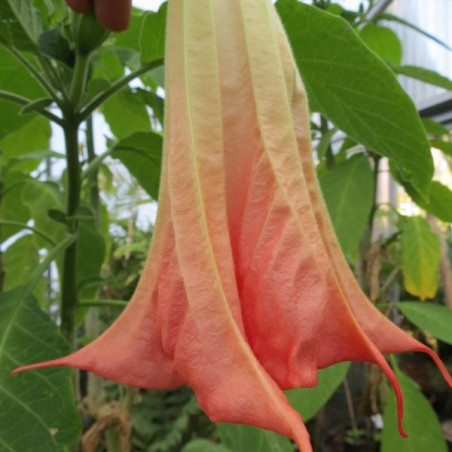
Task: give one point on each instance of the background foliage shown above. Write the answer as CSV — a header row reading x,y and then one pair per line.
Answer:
x,y
75,210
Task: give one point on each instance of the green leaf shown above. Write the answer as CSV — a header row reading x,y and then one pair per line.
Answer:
x,y
23,22
40,197
38,412
141,154
444,146
348,191
391,17
356,90
15,79
107,65
154,101
11,206
52,11
383,41
324,142
433,318
244,438
434,128
420,421
19,261
204,445
440,201
308,401
57,215
424,75
153,35
126,113
36,105
420,258
130,38
31,137
54,44
90,255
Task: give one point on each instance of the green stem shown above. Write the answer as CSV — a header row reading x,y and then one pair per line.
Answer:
x,y
35,73
30,228
92,180
79,79
376,173
115,87
329,156
95,163
53,75
66,243
19,100
101,303
69,293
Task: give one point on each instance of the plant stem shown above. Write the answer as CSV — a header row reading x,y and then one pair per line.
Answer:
x,y
35,73
329,156
52,75
26,226
115,87
350,408
101,303
69,294
19,100
79,79
92,181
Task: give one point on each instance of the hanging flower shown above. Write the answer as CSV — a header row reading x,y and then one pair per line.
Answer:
x,y
245,291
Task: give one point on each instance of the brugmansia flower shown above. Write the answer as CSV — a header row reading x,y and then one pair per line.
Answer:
x,y
245,292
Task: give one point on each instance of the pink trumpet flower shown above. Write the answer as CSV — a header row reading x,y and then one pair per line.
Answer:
x,y
245,291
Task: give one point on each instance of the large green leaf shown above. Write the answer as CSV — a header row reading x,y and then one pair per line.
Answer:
x,y
141,153
37,411
348,191
424,75
153,35
420,258
20,24
420,421
308,401
244,438
383,41
356,90
433,318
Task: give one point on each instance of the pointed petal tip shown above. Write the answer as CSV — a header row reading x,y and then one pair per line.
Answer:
x,y
53,363
439,364
400,427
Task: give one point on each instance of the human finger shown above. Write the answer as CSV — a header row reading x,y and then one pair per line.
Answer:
x,y
113,14
80,6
